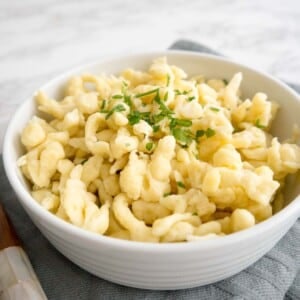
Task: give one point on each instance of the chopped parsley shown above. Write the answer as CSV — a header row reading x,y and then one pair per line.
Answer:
x,y
183,136
214,109
165,111
191,98
147,93
168,79
127,100
149,146
155,128
177,92
209,132
167,194
166,96
194,214
117,96
135,116
117,108
179,127
157,118
180,122
183,122
103,104
257,124
180,184
152,119
200,133
225,81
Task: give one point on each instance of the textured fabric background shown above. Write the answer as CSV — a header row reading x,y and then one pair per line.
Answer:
x,y
275,276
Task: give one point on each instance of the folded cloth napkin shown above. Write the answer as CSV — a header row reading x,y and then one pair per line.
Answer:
x,y
275,276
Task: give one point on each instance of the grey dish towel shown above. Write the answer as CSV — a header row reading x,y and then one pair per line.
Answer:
x,y
275,276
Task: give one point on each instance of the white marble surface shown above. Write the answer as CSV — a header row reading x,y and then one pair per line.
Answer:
x,y
40,39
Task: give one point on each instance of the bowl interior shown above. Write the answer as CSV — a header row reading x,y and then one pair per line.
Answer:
x,y
193,64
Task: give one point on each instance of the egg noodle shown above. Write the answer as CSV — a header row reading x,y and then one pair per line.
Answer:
x,y
156,156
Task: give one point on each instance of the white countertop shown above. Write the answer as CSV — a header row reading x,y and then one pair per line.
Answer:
x,y
40,39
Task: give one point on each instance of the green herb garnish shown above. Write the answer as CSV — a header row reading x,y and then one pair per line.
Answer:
x,y
103,104
164,109
117,96
117,108
180,184
209,132
183,136
167,194
183,122
149,146
127,100
194,214
84,161
173,123
147,93
135,116
191,98
177,92
168,79
257,124
214,109
180,122
200,133
155,128
166,96
225,81
157,118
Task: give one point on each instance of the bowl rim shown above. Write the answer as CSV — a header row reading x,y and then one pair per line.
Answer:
x,y
26,200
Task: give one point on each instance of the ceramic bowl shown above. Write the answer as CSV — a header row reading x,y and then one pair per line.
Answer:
x,y
162,266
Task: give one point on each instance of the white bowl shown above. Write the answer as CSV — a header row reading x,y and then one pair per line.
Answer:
x,y
162,266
